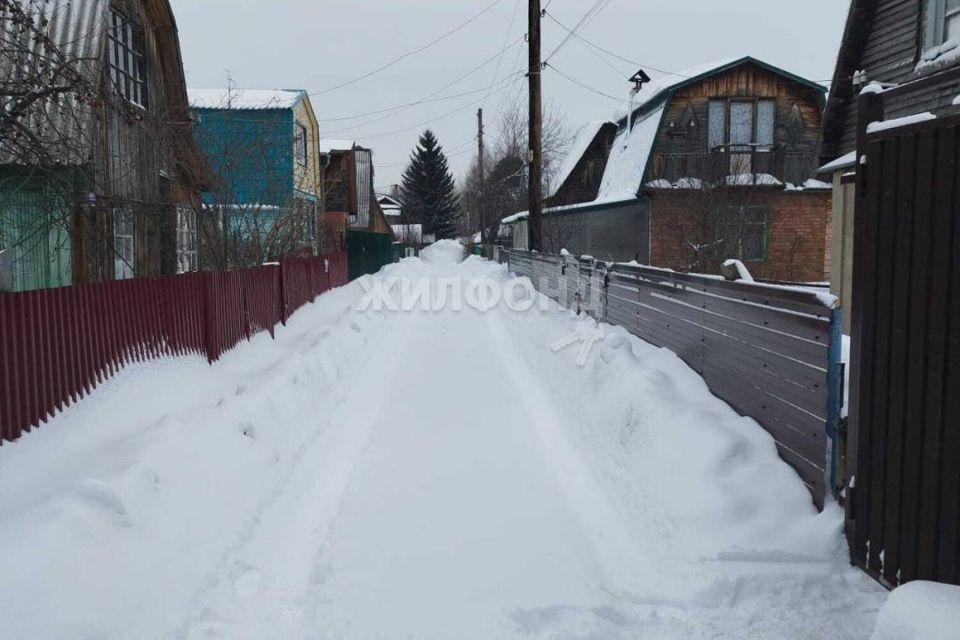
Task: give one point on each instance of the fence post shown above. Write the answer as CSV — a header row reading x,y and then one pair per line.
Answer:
x,y
208,313
835,457
283,292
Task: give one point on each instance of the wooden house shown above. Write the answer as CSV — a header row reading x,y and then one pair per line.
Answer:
x,y
899,58
709,164
264,148
98,167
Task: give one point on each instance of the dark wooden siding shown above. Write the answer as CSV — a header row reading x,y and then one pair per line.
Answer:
x,y
584,181
904,449
890,53
747,81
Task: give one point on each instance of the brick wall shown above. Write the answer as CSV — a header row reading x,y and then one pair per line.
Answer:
x,y
798,233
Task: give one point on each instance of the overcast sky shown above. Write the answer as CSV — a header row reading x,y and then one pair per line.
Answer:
x,y
317,44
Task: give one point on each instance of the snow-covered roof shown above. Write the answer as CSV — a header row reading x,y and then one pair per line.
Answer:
x,y
244,99
585,137
843,162
607,202
628,157
328,145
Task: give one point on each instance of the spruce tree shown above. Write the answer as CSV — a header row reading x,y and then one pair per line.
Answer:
x,y
429,194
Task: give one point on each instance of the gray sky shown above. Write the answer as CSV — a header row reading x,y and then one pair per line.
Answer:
x,y
316,44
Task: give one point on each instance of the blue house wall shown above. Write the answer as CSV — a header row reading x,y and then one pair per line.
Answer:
x,y
252,152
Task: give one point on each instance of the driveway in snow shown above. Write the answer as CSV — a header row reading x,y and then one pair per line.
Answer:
x,y
426,475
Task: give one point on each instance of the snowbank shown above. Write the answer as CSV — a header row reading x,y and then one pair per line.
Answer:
x,y
920,611
444,252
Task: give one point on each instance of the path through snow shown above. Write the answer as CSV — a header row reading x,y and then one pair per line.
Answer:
x,y
429,475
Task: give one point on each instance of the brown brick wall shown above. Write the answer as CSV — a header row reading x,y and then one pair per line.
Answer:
x,y
798,228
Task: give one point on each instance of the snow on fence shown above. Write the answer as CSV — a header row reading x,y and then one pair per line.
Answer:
x,y
56,345
772,353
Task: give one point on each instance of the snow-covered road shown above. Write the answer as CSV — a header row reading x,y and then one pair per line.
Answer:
x,y
427,475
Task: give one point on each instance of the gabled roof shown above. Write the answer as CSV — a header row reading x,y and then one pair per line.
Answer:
x,y
855,35
664,87
245,99
631,152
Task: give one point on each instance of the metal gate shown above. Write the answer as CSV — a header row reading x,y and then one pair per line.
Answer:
x,y
904,483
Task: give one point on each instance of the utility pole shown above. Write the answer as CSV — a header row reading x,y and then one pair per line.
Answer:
x,y
535,158
480,173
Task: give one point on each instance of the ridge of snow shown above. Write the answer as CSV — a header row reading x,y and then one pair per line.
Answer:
x,y
843,162
894,123
243,99
920,610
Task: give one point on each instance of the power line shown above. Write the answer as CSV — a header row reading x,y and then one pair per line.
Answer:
x,y
496,73
587,18
432,95
597,47
587,87
505,84
409,54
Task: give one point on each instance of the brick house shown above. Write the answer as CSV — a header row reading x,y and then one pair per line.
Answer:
x,y
714,163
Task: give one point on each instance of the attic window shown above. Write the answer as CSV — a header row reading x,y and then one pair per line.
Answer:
x,y
127,59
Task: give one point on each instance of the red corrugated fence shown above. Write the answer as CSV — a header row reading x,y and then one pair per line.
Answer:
x,y
56,345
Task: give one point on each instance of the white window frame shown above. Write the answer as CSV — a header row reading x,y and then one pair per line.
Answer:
x,y
300,144
127,59
187,255
124,244
725,126
936,15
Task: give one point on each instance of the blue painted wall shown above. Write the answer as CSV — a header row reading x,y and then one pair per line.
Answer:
x,y
252,151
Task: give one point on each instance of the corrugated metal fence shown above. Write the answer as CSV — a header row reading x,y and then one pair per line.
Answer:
x,y
772,353
56,345
904,516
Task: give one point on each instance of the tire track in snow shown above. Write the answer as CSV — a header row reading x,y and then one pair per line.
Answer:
x,y
260,580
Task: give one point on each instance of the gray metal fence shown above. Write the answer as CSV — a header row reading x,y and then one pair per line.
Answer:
x,y
772,353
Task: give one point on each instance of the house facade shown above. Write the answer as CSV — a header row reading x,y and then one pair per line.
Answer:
x,y
97,160
713,163
899,58
264,149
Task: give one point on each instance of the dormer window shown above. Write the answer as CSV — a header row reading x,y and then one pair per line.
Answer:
x,y
941,22
127,59
741,123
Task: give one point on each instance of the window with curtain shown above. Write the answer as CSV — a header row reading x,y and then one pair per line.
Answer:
x,y
751,123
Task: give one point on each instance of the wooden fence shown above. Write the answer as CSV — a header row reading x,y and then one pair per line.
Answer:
x,y
903,518
772,353
56,345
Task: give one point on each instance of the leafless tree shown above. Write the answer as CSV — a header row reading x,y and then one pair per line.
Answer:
x,y
246,220
505,170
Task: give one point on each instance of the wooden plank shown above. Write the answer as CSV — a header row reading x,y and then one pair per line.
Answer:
x,y
899,337
917,355
886,227
937,343
948,559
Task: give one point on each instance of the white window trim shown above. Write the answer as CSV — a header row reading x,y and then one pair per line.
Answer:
x,y
301,150
124,244
127,67
187,255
